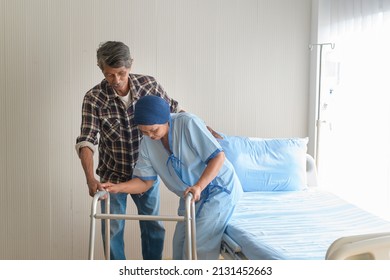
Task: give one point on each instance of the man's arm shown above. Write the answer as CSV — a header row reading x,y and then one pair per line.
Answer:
x,y
85,143
86,157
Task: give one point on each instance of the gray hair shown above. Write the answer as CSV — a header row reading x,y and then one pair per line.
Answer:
x,y
113,54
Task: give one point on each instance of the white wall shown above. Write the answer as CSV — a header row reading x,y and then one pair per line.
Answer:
x,y
242,65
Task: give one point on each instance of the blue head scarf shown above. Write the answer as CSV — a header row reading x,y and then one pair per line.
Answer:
x,y
150,110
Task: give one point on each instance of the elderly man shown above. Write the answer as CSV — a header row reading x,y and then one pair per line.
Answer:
x,y
108,110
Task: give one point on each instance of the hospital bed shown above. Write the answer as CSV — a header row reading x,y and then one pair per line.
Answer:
x,y
284,214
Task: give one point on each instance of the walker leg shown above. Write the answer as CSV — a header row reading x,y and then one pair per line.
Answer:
x,y
92,228
107,231
190,227
193,230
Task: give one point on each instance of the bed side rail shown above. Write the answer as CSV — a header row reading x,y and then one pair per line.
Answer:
x,y
230,250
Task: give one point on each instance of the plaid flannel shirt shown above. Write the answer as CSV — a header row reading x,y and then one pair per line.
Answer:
x,y
107,123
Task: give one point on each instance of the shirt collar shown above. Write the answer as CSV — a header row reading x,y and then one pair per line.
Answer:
x,y
111,92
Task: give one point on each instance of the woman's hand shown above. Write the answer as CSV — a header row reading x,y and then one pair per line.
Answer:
x,y
133,186
110,187
196,191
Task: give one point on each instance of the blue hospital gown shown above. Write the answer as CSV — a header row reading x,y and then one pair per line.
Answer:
x,y
192,146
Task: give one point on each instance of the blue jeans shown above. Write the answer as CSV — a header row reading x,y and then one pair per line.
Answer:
x,y
152,232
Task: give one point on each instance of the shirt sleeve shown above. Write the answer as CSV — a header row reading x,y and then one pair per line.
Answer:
x,y
89,125
143,168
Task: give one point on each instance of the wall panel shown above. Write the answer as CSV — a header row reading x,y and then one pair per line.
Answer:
x,y
243,66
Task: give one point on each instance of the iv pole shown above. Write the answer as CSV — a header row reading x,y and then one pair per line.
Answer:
x,y
318,120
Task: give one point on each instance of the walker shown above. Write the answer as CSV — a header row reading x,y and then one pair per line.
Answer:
x,y
188,218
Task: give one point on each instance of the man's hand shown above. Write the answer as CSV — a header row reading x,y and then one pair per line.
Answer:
x,y
215,134
93,186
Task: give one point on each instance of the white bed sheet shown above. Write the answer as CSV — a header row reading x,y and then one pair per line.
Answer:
x,y
299,225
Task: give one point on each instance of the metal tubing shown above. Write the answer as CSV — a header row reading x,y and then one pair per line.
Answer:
x,y
107,230
187,217
93,223
139,217
193,229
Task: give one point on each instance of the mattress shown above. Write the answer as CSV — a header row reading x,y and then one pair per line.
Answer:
x,y
296,225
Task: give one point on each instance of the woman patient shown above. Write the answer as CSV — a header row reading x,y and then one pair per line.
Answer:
x,y
183,153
